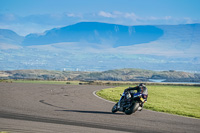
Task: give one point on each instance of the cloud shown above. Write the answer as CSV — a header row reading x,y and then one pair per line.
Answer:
x,y
71,15
79,15
106,14
188,20
117,14
130,15
167,17
130,18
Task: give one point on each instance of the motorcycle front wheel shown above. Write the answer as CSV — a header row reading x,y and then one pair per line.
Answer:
x,y
132,109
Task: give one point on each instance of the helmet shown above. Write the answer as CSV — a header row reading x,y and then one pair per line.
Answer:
x,y
142,85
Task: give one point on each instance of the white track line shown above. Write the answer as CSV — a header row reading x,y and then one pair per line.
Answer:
x,y
94,93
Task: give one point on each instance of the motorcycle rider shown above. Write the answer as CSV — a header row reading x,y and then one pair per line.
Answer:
x,y
141,89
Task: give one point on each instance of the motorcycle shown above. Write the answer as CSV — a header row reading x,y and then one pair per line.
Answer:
x,y
130,104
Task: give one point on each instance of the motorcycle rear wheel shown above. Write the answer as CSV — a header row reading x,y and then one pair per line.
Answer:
x,y
114,109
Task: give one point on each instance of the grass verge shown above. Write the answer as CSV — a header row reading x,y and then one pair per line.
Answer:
x,y
179,100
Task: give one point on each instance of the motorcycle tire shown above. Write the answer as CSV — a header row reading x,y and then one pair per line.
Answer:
x,y
132,109
114,109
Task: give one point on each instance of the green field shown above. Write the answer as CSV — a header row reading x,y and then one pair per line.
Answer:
x,y
180,100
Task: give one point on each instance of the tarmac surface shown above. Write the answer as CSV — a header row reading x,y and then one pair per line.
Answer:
x,y
43,108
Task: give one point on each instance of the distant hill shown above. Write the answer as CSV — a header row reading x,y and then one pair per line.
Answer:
x,y
111,75
10,37
99,33
140,75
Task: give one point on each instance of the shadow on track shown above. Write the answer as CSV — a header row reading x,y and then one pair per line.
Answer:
x,y
91,112
42,101
79,111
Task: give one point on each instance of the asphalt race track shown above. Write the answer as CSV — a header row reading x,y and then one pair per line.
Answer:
x,y
42,108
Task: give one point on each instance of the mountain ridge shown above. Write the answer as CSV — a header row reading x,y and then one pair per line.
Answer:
x,y
10,37
96,32
95,38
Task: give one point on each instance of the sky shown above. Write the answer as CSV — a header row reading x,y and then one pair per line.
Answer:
x,y
36,16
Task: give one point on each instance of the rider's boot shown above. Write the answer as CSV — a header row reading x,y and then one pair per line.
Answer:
x,y
118,105
140,107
